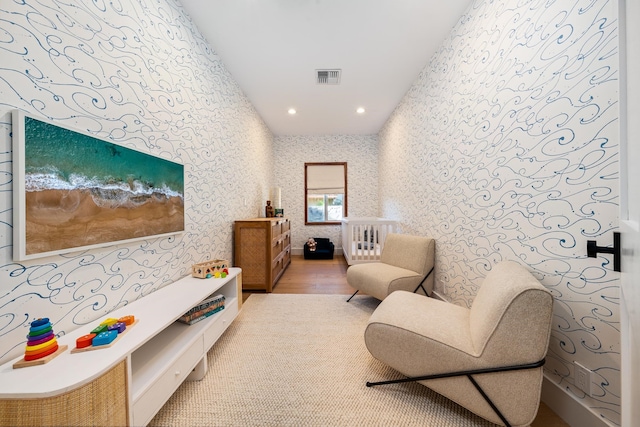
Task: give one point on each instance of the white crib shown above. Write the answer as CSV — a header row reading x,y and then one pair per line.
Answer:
x,y
363,238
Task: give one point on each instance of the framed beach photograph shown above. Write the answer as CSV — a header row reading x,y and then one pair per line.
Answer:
x,y
73,191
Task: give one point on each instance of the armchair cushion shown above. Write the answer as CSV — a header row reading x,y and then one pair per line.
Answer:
x,y
508,324
379,280
404,263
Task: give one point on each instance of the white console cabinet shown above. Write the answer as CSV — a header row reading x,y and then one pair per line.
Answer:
x,y
130,381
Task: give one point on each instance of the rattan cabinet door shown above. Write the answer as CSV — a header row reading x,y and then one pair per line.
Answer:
x,y
262,249
102,402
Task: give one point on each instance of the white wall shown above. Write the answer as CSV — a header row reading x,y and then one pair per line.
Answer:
x,y
292,152
506,147
138,73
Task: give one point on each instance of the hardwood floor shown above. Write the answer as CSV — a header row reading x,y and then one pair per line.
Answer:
x,y
313,277
329,277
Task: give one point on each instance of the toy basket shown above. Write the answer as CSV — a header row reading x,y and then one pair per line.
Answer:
x,y
208,268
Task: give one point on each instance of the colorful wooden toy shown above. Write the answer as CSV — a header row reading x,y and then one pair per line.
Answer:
x,y
37,337
37,347
105,335
85,340
42,344
104,338
41,333
127,320
37,329
119,327
30,357
208,268
40,338
42,351
110,321
40,322
99,328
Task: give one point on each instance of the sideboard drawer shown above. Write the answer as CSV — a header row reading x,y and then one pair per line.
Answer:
x,y
276,249
276,228
219,325
147,405
259,245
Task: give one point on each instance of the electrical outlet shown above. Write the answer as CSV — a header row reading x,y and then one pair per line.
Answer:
x,y
582,377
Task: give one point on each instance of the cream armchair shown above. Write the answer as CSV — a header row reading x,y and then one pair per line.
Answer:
x,y
488,358
406,263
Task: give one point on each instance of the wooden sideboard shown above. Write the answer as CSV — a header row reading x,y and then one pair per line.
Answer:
x,y
263,250
127,383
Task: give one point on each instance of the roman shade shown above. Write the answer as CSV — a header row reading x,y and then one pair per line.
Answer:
x,y
325,179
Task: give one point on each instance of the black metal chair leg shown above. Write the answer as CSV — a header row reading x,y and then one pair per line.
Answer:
x,y
354,294
420,285
489,401
468,375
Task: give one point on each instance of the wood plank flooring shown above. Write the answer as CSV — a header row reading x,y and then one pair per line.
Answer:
x,y
330,277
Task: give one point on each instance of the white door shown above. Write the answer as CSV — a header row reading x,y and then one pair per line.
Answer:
x,y
630,208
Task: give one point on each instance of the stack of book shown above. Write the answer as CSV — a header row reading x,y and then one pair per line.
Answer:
x,y
203,310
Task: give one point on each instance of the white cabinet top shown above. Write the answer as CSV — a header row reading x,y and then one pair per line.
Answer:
x,y
153,313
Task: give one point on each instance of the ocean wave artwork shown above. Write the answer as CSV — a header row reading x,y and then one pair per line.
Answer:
x,y
78,191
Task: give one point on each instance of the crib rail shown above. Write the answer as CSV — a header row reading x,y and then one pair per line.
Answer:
x,y
363,238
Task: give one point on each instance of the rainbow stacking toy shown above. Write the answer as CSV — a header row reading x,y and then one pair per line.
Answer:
x,y
41,340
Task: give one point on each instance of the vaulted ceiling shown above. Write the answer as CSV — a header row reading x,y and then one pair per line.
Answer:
x,y
273,48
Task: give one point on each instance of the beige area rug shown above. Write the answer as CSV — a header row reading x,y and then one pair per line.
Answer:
x,y
300,360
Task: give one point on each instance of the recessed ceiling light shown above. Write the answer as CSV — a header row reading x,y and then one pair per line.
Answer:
x,y
360,110
292,111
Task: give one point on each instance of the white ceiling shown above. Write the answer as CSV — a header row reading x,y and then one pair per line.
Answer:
x,y
273,47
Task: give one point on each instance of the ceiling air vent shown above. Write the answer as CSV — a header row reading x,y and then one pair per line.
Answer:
x,y
328,77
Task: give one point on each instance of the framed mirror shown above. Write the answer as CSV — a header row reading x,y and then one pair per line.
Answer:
x,y
325,189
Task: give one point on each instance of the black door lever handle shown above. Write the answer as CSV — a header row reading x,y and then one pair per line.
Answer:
x,y
593,249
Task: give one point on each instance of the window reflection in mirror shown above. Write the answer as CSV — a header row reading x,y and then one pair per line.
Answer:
x,y
325,192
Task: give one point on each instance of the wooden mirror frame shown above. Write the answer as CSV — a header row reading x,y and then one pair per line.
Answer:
x,y
306,207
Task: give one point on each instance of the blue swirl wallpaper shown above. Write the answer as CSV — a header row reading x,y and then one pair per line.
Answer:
x,y
506,148
291,152
140,74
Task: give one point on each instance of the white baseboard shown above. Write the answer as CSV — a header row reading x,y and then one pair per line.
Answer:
x,y
436,295
569,408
